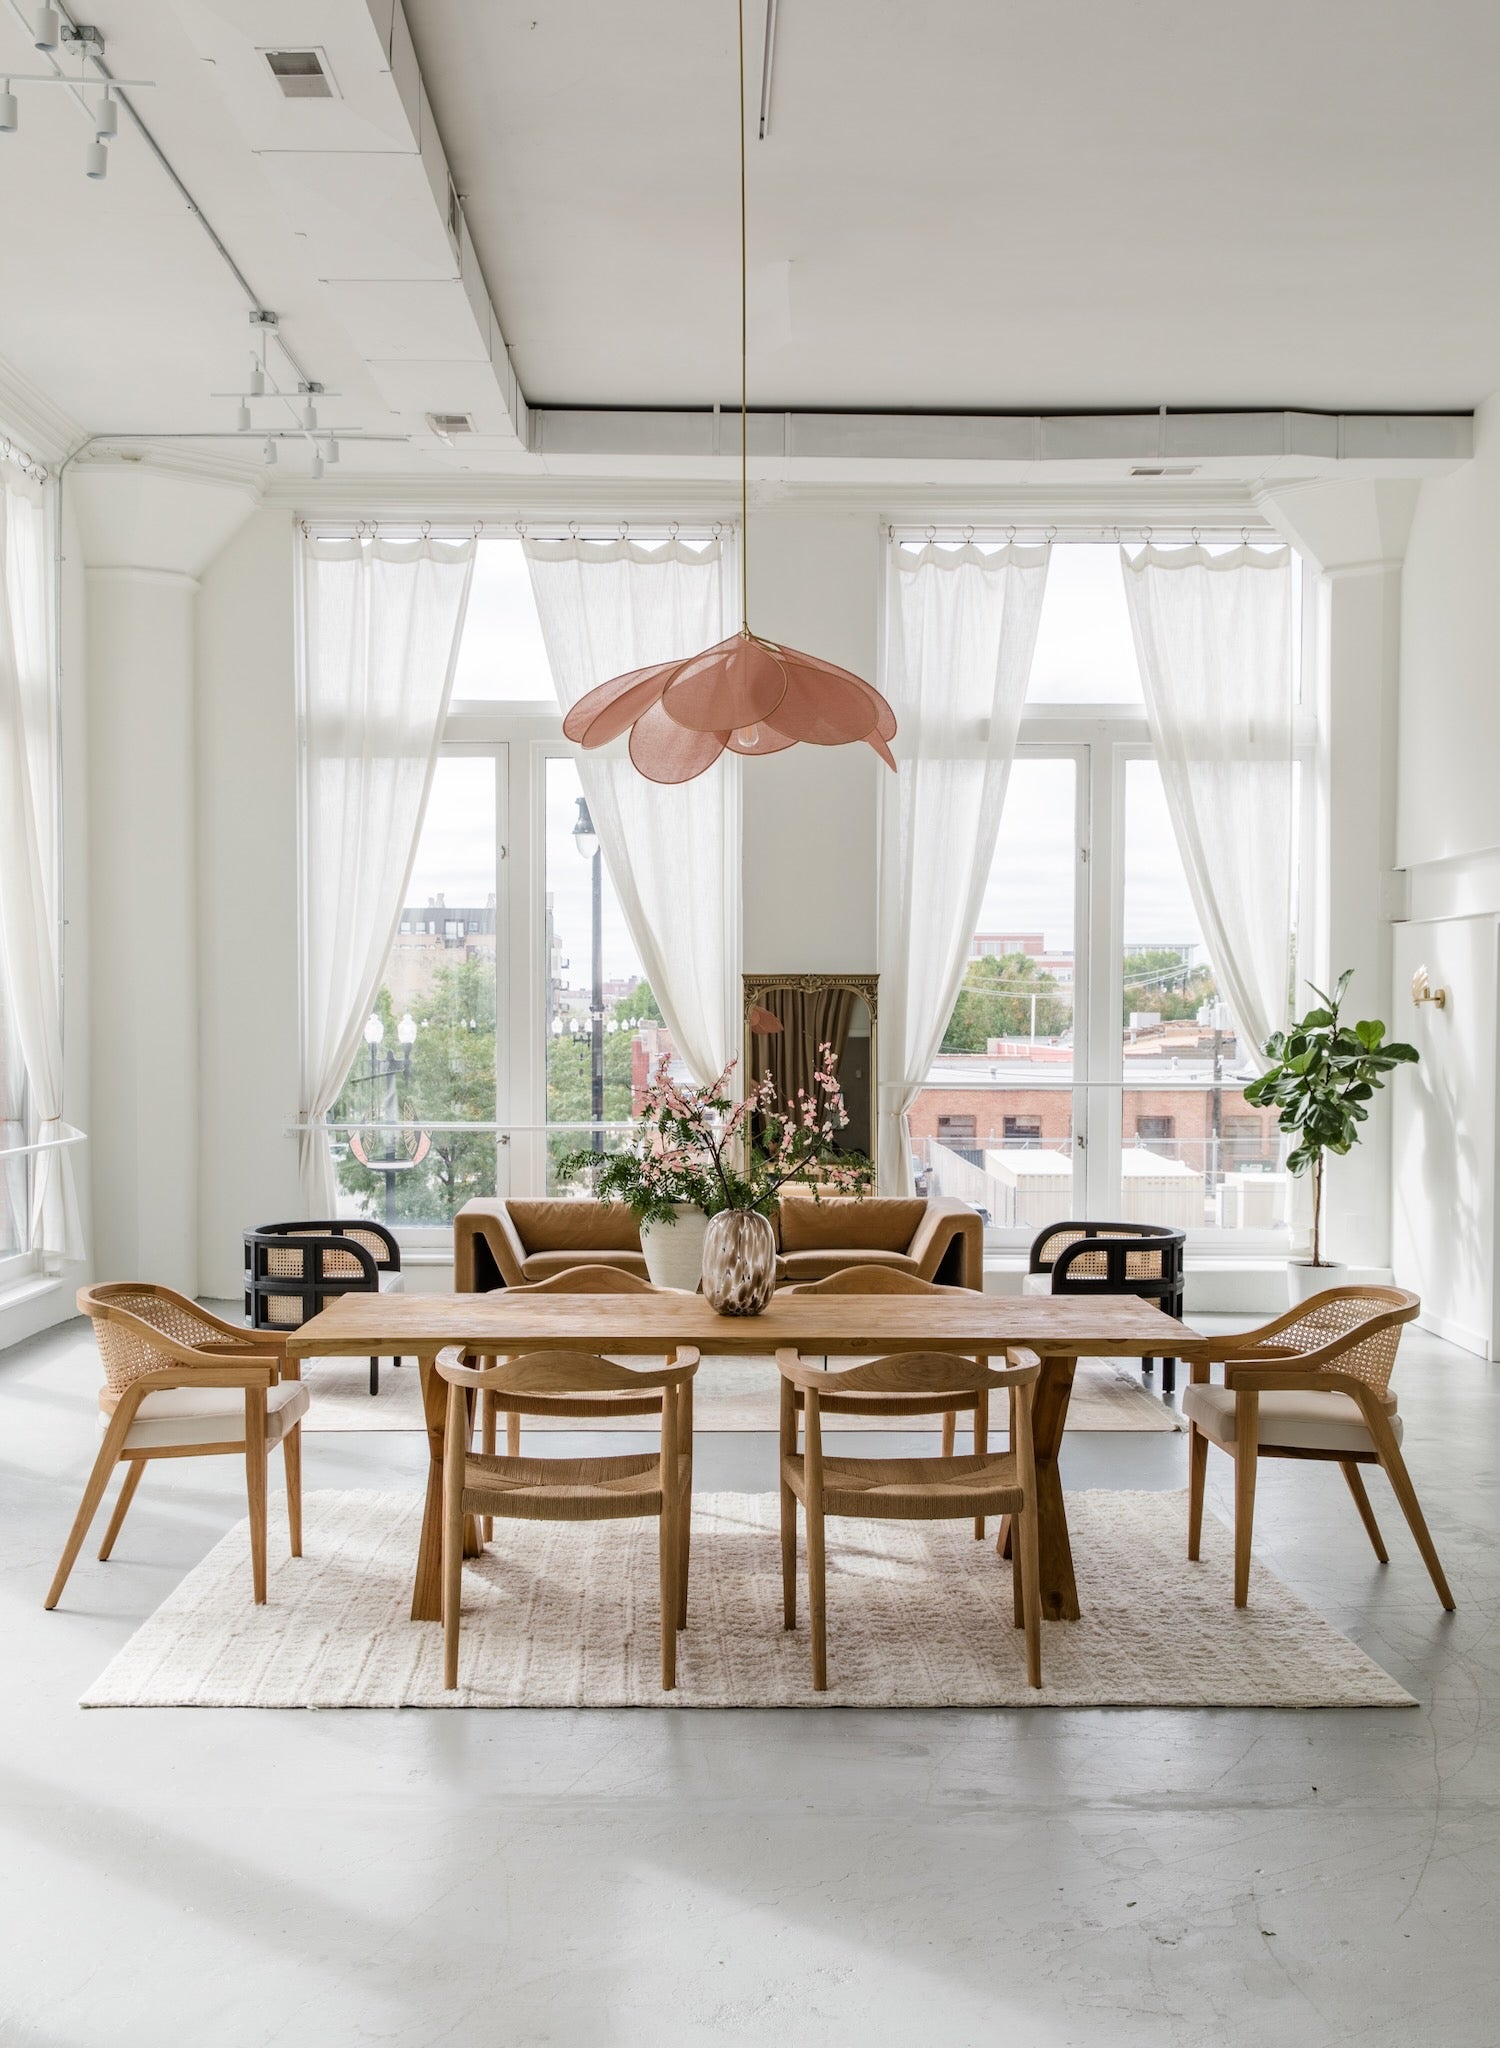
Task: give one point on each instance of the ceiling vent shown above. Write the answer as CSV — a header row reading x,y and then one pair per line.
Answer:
x,y
447,425
301,74
1165,469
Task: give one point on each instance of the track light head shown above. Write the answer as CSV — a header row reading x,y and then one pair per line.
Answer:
x,y
332,450
106,118
317,463
269,458
96,160
257,379
242,421
46,30
10,113
310,416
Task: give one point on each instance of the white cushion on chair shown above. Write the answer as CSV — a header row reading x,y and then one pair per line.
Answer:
x,y
175,1416
1291,1421
1037,1283
393,1283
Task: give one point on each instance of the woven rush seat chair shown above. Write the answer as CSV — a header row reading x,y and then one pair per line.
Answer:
x,y
658,1483
1144,1259
179,1383
904,1489
1314,1384
576,1280
292,1270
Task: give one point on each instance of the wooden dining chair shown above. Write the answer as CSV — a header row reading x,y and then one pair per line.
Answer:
x,y
890,1280
179,1383
576,1280
1314,1383
903,1489
627,1488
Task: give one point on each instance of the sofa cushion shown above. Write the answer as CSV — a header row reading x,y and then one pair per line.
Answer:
x,y
205,1415
542,1265
818,1265
1294,1420
585,1226
842,1221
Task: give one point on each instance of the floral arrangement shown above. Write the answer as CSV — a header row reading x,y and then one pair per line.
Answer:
x,y
701,1147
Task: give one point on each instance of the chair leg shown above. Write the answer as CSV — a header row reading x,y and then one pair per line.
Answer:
x,y
817,1598
455,1451
1169,1375
1197,1476
1351,1473
684,1532
291,1458
133,1472
255,1486
1028,1545
950,1432
1148,1367
788,1557
487,1445
981,1445
1406,1494
1246,1458
374,1375
667,1548
93,1493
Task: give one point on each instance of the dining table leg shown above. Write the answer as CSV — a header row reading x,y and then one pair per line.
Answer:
x,y
427,1588
1049,1415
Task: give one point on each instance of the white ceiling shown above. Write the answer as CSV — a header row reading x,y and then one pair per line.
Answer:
x,y
986,204
962,205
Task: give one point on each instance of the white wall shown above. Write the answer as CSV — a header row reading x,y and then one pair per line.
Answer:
x,y
1447,839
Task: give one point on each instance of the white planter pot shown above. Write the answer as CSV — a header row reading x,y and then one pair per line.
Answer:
x,y
674,1251
1304,1280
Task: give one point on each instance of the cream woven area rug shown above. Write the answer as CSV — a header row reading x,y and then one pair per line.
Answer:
x,y
919,1615
729,1394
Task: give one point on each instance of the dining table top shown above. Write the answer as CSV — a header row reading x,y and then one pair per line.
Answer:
x,y
514,1319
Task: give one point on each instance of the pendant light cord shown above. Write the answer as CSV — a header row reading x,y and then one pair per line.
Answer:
x,y
744,362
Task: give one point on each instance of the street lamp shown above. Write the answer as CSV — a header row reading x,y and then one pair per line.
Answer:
x,y
586,839
391,1163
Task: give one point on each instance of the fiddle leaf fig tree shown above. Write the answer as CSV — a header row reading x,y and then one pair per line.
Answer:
x,y
1322,1076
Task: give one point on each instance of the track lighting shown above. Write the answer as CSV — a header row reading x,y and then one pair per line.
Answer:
x,y
96,160
10,114
310,416
47,28
317,463
257,379
333,449
106,118
270,454
242,421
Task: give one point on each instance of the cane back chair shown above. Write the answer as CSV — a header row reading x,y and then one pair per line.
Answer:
x,y
1144,1259
179,1383
294,1269
1314,1383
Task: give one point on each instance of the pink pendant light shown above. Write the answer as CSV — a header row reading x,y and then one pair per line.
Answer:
x,y
746,694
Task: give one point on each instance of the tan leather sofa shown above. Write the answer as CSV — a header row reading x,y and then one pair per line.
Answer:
x,y
509,1243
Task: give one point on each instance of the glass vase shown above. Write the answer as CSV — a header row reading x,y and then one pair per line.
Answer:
x,y
739,1262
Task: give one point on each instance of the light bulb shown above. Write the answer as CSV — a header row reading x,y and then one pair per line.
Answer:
x,y
332,450
10,113
96,161
47,28
748,736
270,454
242,418
106,118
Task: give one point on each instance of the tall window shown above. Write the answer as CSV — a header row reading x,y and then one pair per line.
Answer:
x,y
494,1047
1091,1066
15,1179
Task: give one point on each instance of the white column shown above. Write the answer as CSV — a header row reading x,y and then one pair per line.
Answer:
x,y
146,534
1352,536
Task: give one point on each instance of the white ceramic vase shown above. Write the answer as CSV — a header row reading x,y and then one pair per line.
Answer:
x,y
674,1251
1304,1279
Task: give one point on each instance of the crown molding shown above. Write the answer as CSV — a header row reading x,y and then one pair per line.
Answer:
x,y
30,419
190,461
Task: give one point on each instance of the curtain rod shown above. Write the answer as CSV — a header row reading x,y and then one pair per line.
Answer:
x,y
950,533
326,528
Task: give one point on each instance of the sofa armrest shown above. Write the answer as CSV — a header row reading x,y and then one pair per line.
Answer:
x,y
487,1249
949,1244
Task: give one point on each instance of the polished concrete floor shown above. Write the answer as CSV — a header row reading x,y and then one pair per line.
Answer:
x,y
812,1880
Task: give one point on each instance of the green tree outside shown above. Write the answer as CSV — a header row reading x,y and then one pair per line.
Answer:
x,y
997,999
1159,978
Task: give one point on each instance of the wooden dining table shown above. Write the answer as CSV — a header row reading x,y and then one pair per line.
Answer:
x,y
1061,1329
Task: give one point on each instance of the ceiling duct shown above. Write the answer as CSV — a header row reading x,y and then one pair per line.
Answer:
x,y
301,74
448,424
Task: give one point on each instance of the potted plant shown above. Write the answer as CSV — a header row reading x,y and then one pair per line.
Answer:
x,y
704,1173
1321,1077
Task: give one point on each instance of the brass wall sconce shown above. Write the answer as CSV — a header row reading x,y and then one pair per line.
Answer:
x,y
1422,991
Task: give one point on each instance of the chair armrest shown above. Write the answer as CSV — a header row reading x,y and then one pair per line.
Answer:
x,y
489,1221
1296,1379
248,1372
945,1220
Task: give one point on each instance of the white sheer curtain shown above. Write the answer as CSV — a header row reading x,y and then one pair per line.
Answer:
x,y
960,628
607,607
380,627
29,783
1213,634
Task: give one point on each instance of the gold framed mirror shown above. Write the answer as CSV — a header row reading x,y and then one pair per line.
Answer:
x,y
788,1016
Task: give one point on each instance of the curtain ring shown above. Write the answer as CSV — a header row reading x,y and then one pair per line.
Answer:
x,y
572,529
427,529
1146,535
718,529
624,529
1050,535
1197,535
1244,536
968,536
1010,536
672,530
1116,531
931,535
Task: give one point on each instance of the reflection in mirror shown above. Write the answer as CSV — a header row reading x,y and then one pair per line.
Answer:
x,y
788,1018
